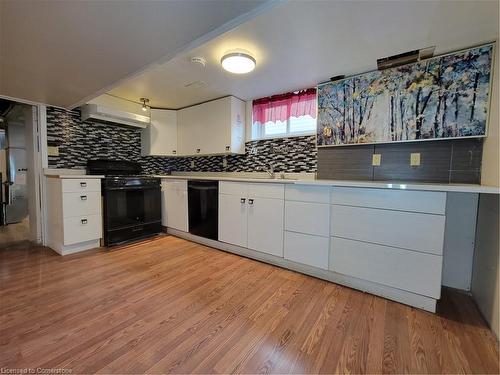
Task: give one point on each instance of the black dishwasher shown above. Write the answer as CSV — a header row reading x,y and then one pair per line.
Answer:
x,y
203,208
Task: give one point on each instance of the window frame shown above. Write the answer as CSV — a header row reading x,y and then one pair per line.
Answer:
x,y
287,134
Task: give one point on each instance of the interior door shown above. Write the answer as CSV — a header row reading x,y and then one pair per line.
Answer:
x,y
233,219
265,225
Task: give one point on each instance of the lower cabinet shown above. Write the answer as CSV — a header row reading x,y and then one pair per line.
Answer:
x,y
175,204
251,216
233,219
307,249
413,271
265,225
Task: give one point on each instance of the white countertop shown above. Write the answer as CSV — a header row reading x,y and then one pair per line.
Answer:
x,y
395,185
75,176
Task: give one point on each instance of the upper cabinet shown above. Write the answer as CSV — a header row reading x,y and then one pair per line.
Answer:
x,y
160,137
213,128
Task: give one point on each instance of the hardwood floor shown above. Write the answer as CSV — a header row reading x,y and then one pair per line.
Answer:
x,y
169,305
13,233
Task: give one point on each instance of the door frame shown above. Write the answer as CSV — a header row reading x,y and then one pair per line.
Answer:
x,y
40,162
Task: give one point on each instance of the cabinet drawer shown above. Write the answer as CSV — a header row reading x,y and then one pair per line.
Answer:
x,y
403,200
78,204
310,218
82,228
307,249
266,190
76,185
407,270
318,194
180,185
408,230
234,188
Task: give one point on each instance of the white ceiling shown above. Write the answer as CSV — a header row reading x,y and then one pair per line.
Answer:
x,y
64,52
298,44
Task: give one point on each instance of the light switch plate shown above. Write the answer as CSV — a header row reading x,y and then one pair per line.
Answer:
x,y
376,159
53,151
415,159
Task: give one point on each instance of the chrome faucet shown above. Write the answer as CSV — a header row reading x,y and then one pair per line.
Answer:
x,y
270,171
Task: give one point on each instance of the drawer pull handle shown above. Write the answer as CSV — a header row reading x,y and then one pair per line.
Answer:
x,y
83,184
84,221
250,201
83,197
243,200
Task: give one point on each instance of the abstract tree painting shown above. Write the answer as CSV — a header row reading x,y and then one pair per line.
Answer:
x,y
442,97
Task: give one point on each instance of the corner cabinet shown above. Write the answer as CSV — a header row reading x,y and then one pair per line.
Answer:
x,y
160,137
212,128
251,216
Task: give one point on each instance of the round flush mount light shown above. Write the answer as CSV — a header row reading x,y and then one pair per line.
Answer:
x,y
238,62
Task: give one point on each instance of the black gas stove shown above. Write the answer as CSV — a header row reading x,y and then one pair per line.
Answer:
x,y
132,201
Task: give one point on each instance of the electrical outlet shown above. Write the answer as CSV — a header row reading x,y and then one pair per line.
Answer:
x,y
192,163
415,159
376,159
53,151
224,163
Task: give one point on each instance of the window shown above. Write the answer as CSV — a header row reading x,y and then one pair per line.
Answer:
x,y
285,115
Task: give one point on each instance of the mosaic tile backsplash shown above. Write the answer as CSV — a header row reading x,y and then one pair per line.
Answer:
x,y
79,141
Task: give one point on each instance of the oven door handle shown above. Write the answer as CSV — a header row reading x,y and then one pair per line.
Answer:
x,y
132,188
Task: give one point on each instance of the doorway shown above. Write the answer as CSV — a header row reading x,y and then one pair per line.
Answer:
x,y
19,187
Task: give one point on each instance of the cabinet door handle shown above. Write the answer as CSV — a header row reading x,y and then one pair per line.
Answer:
x,y
198,150
242,200
83,197
227,148
250,201
84,221
83,184
174,152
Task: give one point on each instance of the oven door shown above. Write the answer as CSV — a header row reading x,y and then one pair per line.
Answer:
x,y
131,212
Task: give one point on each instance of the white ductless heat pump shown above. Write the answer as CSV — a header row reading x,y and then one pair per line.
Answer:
x,y
99,112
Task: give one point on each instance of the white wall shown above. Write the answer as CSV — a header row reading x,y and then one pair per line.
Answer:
x,y
485,277
460,232
490,174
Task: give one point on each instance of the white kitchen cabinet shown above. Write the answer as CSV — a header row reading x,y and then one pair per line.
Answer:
x,y
412,271
74,214
175,204
212,128
265,225
159,138
307,249
233,219
251,216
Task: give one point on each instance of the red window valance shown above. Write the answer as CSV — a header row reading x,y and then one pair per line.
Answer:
x,y
282,107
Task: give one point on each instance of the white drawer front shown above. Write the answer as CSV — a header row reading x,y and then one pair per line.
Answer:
x,y
310,218
74,185
233,188
318,194
408,230
407,270
78,204
180,185
307,249
82,228
266,190
404,200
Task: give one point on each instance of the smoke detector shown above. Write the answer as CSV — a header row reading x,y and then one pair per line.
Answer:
x,y
199,60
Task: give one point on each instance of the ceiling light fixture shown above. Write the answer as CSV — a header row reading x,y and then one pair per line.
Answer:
x,y
238,62
144,102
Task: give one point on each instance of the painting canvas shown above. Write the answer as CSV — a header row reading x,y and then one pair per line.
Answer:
x,y
439,98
